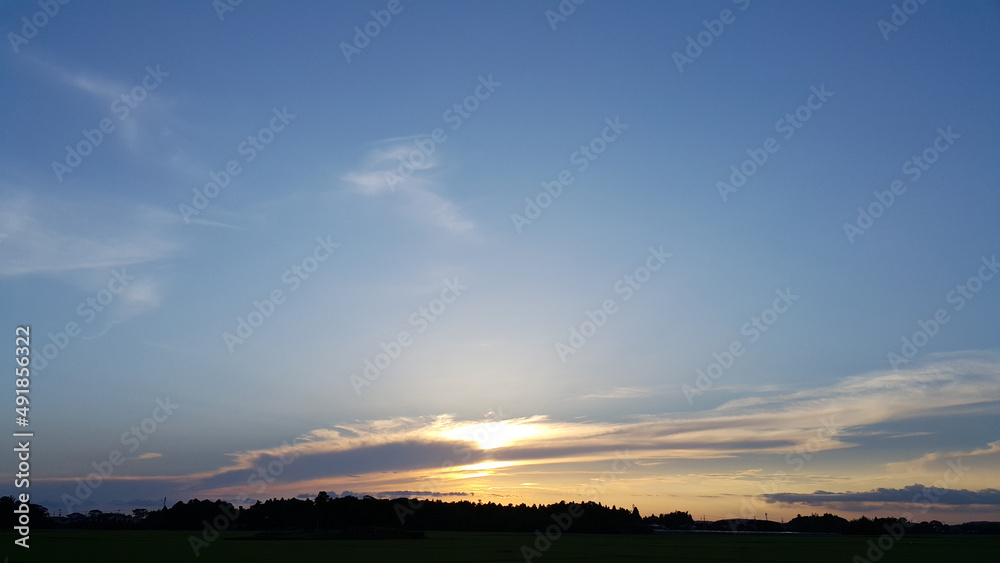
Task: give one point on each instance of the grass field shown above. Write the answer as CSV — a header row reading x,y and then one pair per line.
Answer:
x,y
105,546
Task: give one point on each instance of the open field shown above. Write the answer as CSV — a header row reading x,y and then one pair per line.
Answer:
x,y
161,546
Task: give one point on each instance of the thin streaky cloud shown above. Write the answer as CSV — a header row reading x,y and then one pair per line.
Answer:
x,y
50,237
420,196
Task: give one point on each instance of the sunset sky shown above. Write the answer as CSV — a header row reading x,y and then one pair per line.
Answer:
x,y
722,257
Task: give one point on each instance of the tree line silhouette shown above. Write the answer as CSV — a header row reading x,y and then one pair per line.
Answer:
x,y
369,516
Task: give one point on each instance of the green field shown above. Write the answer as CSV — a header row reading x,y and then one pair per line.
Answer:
x,y
111,546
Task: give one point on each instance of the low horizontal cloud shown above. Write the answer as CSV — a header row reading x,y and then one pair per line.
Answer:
x,y
910,494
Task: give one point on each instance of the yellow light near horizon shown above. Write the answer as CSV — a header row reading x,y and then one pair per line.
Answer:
x,y
475,470
485,466
470,476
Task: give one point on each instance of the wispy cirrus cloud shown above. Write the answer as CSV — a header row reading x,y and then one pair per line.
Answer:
x,y
397,166
930,461
380,170
623,393
102,88
57,236
946,380
141,122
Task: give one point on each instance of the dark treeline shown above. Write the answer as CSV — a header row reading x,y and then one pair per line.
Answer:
x,y
832,524
325,513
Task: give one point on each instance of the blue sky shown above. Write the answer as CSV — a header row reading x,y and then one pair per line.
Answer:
x,y
488,301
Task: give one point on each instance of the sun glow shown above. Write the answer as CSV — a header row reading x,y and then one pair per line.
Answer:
x,y
490,435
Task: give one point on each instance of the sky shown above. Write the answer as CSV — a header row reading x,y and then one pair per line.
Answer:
x,y
732,258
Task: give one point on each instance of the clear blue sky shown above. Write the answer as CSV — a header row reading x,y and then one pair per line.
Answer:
x,y
314,144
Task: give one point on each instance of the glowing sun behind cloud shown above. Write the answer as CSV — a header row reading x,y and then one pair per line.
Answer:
x,y
496,434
